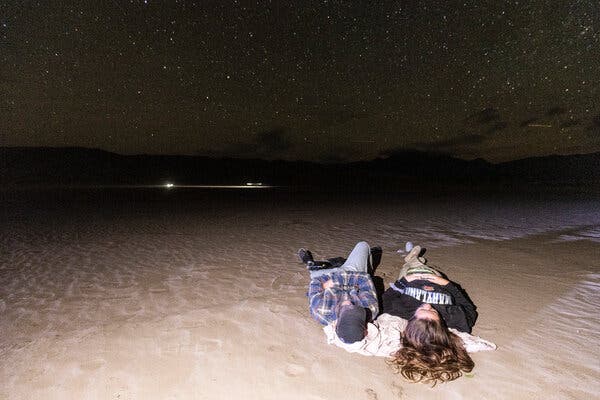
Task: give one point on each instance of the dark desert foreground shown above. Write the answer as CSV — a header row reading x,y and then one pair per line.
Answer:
x,y
198,294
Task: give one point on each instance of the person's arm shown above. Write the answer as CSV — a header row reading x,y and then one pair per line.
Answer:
x,y
395,302
321,300
368,296
464,303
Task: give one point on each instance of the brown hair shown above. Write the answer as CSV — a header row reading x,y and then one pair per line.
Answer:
x,y
430,353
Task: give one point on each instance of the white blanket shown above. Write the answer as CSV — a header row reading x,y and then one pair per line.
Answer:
x,y
383,338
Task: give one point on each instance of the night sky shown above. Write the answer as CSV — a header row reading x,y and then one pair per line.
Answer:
x,y
313,80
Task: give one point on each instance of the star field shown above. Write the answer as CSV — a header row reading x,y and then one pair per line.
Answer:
x,y
314,80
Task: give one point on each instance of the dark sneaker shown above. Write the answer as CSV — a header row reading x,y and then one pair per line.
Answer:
x,y
305,256
375,259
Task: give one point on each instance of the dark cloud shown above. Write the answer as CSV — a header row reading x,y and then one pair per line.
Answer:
x,y
570,123
484,116
478,127
498,126
466,140
272,142
555,111
594,128
487,117
528,121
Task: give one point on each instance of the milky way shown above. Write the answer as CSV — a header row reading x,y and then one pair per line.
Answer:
x,y
326,80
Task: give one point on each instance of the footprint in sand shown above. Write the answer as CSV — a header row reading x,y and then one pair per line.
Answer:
x,y
118,390
397,390
294,370
92,365
208,345
276,284
371,394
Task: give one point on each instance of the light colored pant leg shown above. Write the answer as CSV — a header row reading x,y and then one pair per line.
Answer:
x,y
358,259
415,264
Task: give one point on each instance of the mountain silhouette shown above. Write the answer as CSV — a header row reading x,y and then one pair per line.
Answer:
x,y
82,166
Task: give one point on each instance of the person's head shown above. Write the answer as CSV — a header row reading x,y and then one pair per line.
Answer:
x,y
351,324
425,311
430,352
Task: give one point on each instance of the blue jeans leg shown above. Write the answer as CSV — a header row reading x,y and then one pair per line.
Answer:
x,y
358,259
319,272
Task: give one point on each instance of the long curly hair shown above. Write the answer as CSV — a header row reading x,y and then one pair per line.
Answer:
x,y
430,353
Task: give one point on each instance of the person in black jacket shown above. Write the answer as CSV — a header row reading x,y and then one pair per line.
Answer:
x,y
419,283
431,304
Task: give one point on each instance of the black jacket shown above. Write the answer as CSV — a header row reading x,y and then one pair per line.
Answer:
x,y
460,314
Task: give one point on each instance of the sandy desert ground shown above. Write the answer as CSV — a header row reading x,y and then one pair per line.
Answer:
x,y
166,296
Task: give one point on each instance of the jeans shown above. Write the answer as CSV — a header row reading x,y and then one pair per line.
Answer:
x,y
358,261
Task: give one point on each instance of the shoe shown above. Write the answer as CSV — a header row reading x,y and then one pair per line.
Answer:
x,y
305,256
375,259
413,254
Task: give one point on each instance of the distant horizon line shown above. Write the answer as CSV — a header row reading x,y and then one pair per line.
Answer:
x,y
337,162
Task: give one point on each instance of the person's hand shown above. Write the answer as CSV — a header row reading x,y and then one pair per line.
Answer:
x,y
438,280
328,284
427,277
413,277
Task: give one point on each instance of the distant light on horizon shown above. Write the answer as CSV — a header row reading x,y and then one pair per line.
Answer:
x,y
247,185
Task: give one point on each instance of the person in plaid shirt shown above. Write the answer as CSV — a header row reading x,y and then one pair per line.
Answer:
x,y
343,295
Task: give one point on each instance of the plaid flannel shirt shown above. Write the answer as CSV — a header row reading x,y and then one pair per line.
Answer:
x,y
354,286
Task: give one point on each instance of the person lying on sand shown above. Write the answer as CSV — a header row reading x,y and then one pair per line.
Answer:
x,y
343,296
431,304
